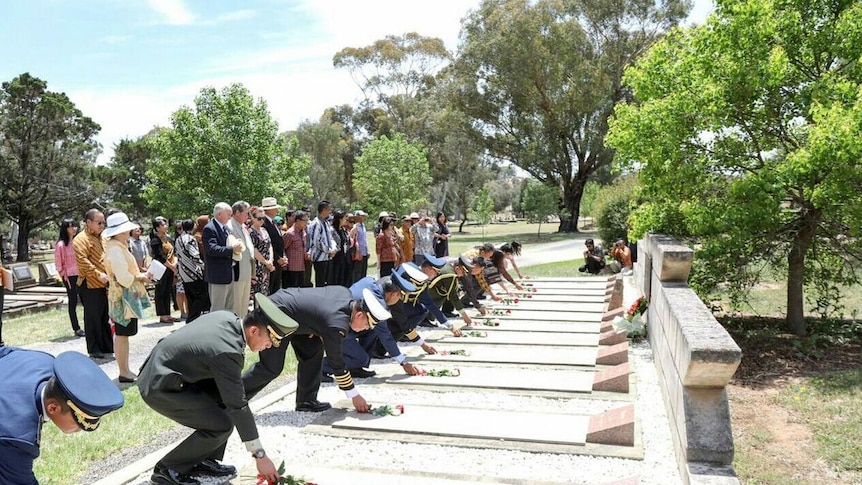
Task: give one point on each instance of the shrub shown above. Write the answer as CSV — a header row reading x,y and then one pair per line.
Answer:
x,y
612,207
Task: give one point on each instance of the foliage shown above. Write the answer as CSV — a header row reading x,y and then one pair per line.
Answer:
x,y
591,191
612,207
747,134
392,175
539,201
505,192
223,149
484,207
322,143
292,183
126,177
542,103
47,155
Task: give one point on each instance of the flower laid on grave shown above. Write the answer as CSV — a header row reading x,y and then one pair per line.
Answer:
x,y
460,352
474,333
489,322
284,480
387,410
510,301
501,311
442,373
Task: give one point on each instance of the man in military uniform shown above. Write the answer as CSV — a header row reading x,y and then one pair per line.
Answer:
x,y
325,316
358,347
443,284
193,376
69,390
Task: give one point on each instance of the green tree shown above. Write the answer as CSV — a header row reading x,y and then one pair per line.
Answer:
x,y
126,178
542,102
224,148
292,183
391,174
748,135
484,208
322,142
47,156
539,201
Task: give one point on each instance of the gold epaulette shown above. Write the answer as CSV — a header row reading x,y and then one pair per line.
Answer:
x,y
345,381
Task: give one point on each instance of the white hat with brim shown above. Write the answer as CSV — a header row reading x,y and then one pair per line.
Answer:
x,y
414,273
377,311
383,214
360,213
414,215
269,203
118,223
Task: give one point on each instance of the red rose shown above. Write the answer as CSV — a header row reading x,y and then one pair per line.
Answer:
x,y
400,408
516,300
508,311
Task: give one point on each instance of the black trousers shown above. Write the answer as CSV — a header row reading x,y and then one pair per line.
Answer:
x,y
306,282
593,266
386,268
292,279
163,293
2,297
198,407
322,273
199,298
96,325
309,354
275,277
360,269
72,295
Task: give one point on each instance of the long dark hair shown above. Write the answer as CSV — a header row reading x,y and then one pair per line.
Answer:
x,y
157,222
64,230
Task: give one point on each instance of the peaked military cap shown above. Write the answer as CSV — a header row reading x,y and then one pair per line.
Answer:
x,y
412,273
91,392
465,262
280,324
433,260
374,307
401,283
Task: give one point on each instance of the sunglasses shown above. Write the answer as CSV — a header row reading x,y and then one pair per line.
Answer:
x,y
259,218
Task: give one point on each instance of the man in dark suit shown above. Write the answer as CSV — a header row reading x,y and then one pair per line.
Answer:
x,y
270,208
35,387
219,258
193,377
329,313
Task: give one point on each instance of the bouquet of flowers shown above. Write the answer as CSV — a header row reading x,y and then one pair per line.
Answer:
x,y
387,410
460,352
442,373
284,480
632,322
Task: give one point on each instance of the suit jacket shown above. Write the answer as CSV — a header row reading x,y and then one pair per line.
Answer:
x,y
275,236
23,376
205,355
246,263
217,256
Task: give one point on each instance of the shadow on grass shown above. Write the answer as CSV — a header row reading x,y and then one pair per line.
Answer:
x,y
65,338
158,324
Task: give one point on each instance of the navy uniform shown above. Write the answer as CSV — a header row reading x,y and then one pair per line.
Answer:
x,y
193,377
324,316
358,346
27,378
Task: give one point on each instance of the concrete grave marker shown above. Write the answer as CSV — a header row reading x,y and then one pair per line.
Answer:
x,y
513,325
511,354
506,378
519,338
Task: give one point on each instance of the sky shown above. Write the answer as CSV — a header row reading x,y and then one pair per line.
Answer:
x,y
130,64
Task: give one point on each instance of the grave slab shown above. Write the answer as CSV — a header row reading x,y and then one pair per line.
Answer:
x,y
565,381
331,475
512,325
554,297
519,338
592,292
510,354
539,315
557,306
489,424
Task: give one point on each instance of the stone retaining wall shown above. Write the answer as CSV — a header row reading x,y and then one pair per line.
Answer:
x,y
695,358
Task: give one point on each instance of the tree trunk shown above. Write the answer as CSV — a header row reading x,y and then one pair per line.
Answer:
x,y
539,233
572,192
23,236
796,272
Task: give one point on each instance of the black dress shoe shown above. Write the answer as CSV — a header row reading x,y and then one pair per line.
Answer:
x,y
451,315
169,476
427,323
127,380
79,333
213,468
326,378
360,373
314,406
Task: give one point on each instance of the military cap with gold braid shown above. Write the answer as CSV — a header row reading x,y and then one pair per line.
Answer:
x,y
279,324
415,276
91,393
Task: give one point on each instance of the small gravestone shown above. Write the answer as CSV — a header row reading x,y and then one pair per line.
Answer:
x,y
22,276
48,274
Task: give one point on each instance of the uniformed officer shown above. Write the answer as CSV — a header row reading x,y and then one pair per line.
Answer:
x,y
194,377
359,346
443,284
69,390
422,301
325,316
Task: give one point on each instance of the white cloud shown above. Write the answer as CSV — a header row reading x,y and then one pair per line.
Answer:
x,y
231,17
175,12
